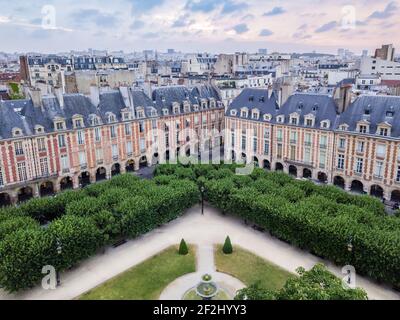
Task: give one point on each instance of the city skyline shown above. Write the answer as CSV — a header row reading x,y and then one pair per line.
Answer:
x,y
192,25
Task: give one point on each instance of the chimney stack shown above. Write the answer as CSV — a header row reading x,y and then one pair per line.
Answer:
x,y
36,96
95,95
59,95
343,97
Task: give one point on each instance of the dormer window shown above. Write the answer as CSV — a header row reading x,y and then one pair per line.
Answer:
x,y
383,131
267,117
344,127
203,104
153,112
111,118
362,128
186,107
251,98
280,119
244,113
195,107
389,114
165,112
126,116
176,109
262,99
39,129
325,124
233,112
78,123
140,113
212,104
60,125
255,114
94,120
17,132
315,107
294,119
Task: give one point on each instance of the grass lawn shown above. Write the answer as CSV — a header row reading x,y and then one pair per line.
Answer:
x,y
250,268
147,280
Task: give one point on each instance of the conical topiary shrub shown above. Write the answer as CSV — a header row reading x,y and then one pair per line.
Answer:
x,y
227,248
183,249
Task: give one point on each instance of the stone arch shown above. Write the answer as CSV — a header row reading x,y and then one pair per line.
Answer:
x,y
115,169
66,183
5,199
267,165
143,162
130,165
101,174
46,189
339,182
293,170
307,173
279,166
84,179
322,177
256,162
395,196
377,191
357,187
24,194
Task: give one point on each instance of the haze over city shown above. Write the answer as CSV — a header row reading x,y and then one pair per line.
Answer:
x,y
198,25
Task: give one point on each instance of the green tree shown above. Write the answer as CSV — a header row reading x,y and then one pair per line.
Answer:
x,y
183,249
227,248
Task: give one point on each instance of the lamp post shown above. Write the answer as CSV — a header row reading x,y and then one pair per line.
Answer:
x,y
59,251
202,189
350,249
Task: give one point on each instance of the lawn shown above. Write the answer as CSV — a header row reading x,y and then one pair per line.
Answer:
x,y
250,268
147,280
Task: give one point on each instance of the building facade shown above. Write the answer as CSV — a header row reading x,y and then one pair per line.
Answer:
x,y
56,142
357,150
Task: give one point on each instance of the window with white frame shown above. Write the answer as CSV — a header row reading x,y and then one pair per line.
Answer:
x,y
21,169
255,115
266,147
325,124
61,141
60,125
113,132
379,169
41,144
165,111
363,128
398,174
1,177
18,146
128,130
280,119
279,134
322,159
383,131
78,123
64,162
114,151
243,113
97,134
294,120
44,167
129,148
340,162
267,133
323,141
255,143
99,154
342,143
307,138
81,137
82,158
360,146
142,145
233,112
381,150
359,165
267,117
293,137
307,155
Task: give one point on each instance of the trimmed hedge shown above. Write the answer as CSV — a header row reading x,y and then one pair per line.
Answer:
x,y
81,222
321,219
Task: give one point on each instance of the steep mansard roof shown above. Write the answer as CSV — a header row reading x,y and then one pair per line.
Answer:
x,y
253,99
375,110
22,114
321,107
165,97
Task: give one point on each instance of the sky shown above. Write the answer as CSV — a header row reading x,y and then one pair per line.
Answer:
x,y
198,25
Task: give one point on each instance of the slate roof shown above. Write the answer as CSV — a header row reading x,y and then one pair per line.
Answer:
x,y
379,108
24,115
322,107
254,99
165,97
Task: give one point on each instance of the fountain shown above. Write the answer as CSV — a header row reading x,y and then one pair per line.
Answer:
x,y
207,289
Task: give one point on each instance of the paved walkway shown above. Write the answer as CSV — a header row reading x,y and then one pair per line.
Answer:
x,y
209,229
205,265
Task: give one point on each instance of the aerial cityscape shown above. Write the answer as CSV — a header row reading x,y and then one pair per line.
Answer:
x,y
222,150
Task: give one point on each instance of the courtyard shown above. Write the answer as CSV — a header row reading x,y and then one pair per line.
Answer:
x,y
198,230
